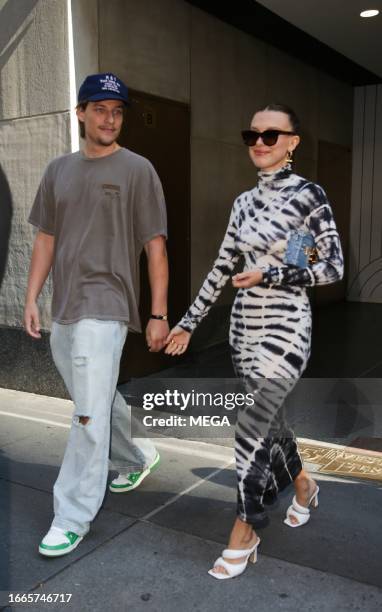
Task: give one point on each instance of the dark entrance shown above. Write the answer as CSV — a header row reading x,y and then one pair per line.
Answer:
x,y
159,129
334,174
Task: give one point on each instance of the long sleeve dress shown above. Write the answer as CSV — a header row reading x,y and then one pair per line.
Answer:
x,y
270,324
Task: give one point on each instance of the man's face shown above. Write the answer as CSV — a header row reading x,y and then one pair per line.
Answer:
x,y
102,120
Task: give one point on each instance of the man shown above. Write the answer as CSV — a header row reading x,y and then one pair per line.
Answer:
x,y
95,210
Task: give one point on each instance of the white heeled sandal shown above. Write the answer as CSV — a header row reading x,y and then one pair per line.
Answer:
x,y
301,513
234,569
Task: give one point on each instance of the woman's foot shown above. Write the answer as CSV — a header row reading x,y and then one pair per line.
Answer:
x,y
305,487
242,537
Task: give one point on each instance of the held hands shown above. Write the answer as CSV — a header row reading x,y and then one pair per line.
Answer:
x,y
247,279
32,320
177,341
156,334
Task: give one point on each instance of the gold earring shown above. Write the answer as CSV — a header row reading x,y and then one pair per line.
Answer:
x,y
289,158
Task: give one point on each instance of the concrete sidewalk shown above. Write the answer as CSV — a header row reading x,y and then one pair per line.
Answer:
x,y
150,549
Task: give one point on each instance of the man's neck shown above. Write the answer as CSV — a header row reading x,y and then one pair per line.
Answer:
x,y
93,150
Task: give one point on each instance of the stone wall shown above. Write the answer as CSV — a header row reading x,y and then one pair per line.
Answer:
x,y
34,127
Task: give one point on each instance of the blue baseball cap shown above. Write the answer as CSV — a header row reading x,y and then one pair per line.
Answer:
x,y
104,86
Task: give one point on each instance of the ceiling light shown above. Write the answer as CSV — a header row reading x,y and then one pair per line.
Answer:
x,y
371,13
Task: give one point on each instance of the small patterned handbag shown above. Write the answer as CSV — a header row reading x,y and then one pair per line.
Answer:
x,y
300,249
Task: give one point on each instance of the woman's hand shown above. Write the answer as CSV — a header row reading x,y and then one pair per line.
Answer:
x,y
250,278
177,341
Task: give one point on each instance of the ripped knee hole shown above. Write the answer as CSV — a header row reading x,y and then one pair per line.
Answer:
x,y
82,420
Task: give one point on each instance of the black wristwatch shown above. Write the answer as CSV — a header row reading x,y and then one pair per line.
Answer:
x,y
159,317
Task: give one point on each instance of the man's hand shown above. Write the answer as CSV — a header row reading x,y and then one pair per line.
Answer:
x,y
41,263
156,334
247,279
32,320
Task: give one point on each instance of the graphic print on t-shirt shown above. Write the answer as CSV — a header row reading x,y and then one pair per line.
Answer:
x,y
111,189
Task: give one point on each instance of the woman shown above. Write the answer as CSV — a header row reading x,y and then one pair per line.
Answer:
x,y
270,327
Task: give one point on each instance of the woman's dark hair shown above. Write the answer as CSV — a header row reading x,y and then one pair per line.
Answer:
x,y
283,108
82,106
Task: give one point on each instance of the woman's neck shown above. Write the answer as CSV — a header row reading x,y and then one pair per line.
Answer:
x,y
274,178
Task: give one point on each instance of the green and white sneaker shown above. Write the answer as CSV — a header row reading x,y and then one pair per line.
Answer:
x,y
128,482
58,542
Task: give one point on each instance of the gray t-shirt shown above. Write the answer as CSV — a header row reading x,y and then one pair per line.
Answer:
x,y
101,212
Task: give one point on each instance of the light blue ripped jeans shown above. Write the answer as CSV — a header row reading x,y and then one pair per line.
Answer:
x,y
87,354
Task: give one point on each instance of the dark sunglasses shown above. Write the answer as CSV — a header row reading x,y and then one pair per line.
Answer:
x,y
269,137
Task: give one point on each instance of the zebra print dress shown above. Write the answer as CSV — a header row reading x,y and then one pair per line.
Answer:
x,y
270,325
